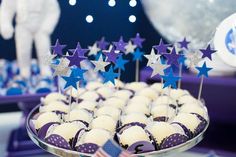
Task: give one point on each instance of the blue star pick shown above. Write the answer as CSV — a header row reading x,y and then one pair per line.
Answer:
x,y
170,80
203,71
71,81
137,55
78,72
110,75
120,63
182,59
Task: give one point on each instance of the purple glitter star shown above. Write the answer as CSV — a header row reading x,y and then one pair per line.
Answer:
x,y
111,56
161,48
207,52
120,45
75,59
102,44
172,58
138,40
57,48
81,52
184,43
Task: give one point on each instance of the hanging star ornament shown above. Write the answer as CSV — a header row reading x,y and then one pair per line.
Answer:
x,y
137,55
112,55
203,70
110,76
129,48
93,50
120,63
138,40
158,68
170,80
172,58
102,44
100,64
62,68
81,52
57,48
152,57
161,48
184,43
71,81
207,52
120,45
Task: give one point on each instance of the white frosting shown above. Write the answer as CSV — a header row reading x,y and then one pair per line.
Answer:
x,y
187,99
193,108
162,110
115,102
137,107
109,110
55,106
161,130
123,94
134,117
163,100
45,118
136,86
96,136
75,93
53,97
149,93
105,91
140,99
133,134
89,95
93,85
104,122
177,93
86,104
80,114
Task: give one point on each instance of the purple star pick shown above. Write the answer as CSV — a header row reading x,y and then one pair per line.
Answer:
x,y
207,52
102,44
138,40
81,52
161,48
120,45
57,48
111,56
75,59
172,58
184,43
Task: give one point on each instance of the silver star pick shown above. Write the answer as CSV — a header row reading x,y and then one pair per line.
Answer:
x,y
100,64
93,50
129,48
158,68
192,59
47,59
109,49
152,58
62,69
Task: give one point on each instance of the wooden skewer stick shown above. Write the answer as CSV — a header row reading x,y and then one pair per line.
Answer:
x,y
200,88
137,71
180,75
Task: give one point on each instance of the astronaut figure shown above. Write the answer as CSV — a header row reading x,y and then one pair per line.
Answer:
x,y
35,22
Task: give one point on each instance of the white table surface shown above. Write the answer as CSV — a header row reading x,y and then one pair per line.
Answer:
x,y
10,121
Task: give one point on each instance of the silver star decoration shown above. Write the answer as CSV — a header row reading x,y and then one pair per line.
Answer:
x,y
47,59
152,57
93,50
192,59
109,49
129,48
62,69
158,68
100,64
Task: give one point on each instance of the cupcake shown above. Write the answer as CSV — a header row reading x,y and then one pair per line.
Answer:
x,y
104,122
140,99
118,84
79,115
135,86
193,108
187,99
162,112
177,93
134,118
65,135
123,94
115,102
53,97
75,92
158,87
163,133
149,93
110,111
164,100
136,140
86,104
93,85
57,106
90,96
138,108
92,140
105,92
191,124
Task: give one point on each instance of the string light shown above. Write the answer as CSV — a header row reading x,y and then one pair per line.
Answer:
x,y
89,18
132,3
111,3
72,2
132,18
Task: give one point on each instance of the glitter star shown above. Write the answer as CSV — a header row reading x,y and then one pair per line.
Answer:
x,y
110,76
71,81
184,43
93,50
138,40
75,59
57,48
102,44
100,64
172,58
112,55
81,52
207,52
78,72
203,71
120,45
158,68
152,57
192,59
120,63
62,68
137,55
48,58
181,59
129,48
161,48
170,80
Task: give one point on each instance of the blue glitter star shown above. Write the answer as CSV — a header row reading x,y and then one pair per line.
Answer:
x,y
203,71
78,72
137,55
182,59
120,63
110,75
170,80
71,81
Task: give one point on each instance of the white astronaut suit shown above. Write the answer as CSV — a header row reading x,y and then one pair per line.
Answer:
x,y
35,22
